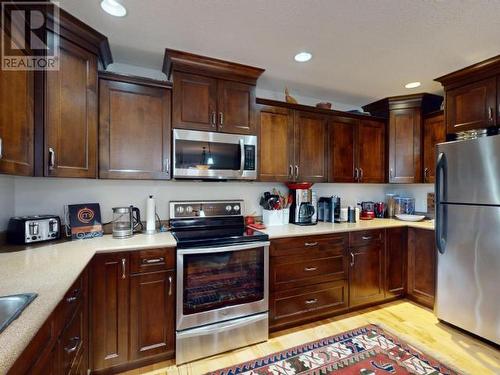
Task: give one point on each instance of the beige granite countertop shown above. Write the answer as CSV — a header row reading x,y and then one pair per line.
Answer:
x,y
50,271
291,230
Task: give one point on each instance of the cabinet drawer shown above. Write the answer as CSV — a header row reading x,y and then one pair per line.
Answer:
x,y
306,272
303,303
152,260
72,299
312,245
72,341
366,237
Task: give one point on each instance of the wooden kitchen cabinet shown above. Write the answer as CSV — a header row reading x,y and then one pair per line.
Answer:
x,y
434,132
396,262
71,114
276,149
134,128
422,257
366,272
16,120
371,151
211,94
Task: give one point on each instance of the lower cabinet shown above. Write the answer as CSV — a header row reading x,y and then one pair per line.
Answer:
x,y
133,309
366,272
422,260
396,262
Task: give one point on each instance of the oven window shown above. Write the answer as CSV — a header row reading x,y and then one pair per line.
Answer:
x,y
207,155
217,280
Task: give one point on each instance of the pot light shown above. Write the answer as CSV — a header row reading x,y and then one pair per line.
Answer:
x,y
114,8
303,57
412,85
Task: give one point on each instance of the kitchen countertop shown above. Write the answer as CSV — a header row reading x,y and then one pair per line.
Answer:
x,y
50,271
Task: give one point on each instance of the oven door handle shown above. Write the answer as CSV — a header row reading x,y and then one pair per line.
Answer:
x,y
242,157
221,249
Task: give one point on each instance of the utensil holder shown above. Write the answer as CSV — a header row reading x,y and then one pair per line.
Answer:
x,y
272,217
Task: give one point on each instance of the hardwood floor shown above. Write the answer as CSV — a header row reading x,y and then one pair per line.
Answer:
x,y
401,317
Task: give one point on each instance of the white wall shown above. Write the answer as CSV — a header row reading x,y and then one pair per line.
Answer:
x,y
49,196
6,200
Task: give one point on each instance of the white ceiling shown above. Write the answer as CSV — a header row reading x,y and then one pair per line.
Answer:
x,y
362,49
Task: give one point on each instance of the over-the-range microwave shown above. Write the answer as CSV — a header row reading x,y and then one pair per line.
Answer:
x,y
217,156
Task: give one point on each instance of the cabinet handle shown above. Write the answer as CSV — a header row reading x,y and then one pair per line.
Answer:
x,y
74,297
153,260
71,349
366,238
170,285
1,147
310,244
310,269
291,170
221,119
352,259
311,301
123,268
297,171
214,119
391,173
360,174
167,165
356,174
52,158
426,174
490,114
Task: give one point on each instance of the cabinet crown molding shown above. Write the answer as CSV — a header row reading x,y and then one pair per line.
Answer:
x,y
192,63
425,101
471,73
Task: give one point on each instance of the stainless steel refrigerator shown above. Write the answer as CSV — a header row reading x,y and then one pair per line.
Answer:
x,y
468,235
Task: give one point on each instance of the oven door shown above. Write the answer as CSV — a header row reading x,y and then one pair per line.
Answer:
x,y
207,155
222,283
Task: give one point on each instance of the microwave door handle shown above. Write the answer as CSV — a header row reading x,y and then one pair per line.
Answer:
x,y
242,156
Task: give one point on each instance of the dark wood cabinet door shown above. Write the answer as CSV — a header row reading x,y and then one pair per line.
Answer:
x,y
49,364
152,314
311,143
276,144
236,106
371,151
134,131
395,262
422,266
471,106
342,150
434,130
71,114
194,102
366,280
109,310
16,120
404,146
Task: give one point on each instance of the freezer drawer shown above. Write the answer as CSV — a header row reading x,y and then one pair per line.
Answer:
x,y
468,282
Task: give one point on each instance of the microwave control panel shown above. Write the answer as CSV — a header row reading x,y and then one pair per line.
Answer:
x,y
249,158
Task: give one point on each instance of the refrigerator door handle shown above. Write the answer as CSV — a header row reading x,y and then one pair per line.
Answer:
x,y
441,209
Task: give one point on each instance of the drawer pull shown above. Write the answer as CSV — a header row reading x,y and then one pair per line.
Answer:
x,y
366,238
311,301
71,349
310,269
153,260
74,297
310,244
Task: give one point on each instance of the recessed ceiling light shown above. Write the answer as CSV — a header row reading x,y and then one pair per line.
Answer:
x,y
412,85
114,8
303,57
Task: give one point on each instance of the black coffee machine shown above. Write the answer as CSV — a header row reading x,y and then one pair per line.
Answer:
x,y
304,207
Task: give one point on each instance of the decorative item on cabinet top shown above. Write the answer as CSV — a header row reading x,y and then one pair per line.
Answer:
x,y
289,98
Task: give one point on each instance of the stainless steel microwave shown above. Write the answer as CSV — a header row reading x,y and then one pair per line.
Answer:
x,y
217,156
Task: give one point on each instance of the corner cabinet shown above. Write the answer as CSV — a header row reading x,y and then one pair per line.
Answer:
x,y
211,94
396,262
134,128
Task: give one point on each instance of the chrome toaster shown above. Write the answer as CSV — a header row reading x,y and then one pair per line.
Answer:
x,y
29,229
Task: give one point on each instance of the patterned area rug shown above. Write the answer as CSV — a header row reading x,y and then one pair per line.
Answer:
x,y
367,350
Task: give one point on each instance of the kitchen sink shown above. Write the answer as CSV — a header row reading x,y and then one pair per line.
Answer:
x,y
12,306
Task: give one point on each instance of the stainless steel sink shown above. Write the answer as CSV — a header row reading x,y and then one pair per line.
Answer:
x,y
12,306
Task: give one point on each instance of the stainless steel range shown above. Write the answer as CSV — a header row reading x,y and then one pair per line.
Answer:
x,y
222,279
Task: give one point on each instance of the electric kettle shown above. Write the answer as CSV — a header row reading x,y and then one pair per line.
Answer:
x,y
126,220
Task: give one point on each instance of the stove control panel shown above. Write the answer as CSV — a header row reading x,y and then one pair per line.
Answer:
x,y
185,210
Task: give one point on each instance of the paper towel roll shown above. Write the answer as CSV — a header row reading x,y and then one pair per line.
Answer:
x,y
151,215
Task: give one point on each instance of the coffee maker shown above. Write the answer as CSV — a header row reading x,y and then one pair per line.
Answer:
x,y
303,210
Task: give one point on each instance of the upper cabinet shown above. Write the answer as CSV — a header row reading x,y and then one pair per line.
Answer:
x,y
405,115
134,128
16,121
356,150
472,96
211,94
434,132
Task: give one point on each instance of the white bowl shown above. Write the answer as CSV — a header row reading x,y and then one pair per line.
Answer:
x,y
410,217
